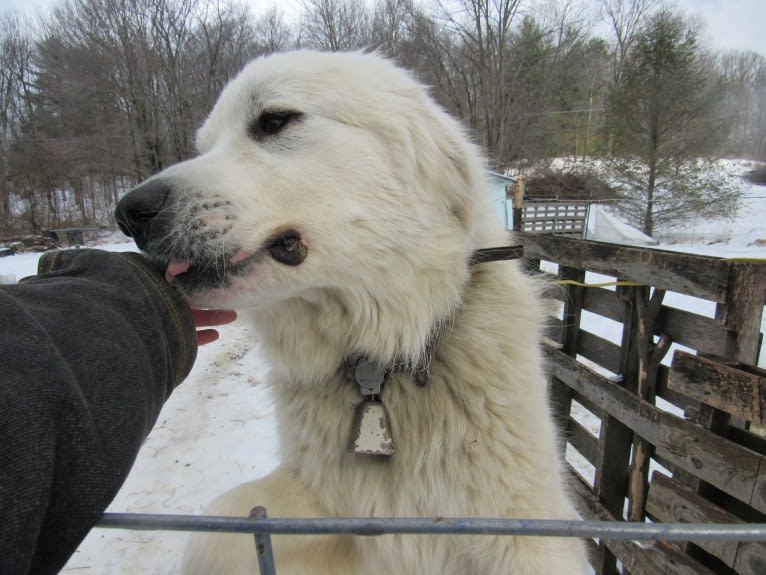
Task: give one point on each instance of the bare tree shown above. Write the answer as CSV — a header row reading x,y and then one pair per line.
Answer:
x,y
483,28
745,77
123,86
172,30
335,25
393,26
626,17
27,158
15,76
272,33
224,41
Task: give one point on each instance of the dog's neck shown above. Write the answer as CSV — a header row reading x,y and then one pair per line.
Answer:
x,y
419,369
339,333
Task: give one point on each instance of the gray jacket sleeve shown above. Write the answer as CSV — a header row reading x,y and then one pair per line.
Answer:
x,y
91,348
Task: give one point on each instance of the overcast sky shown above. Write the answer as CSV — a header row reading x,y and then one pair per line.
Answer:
x,y
730,24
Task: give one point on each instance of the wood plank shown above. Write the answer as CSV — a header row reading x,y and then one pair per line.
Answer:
x,y
744,309
561,394
720,385
582,440
572,309
638,559
751,559
758,500
641,417
588,507
656,559
683,402
612,457
589,405
730,467
670,502
600,351
605,303
700,276
714,459
704,334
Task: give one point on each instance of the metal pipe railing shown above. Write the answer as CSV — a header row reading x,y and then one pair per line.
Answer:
x,y
448,525
262,527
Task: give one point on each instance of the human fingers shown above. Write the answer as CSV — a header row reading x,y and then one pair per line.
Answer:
x,y
212,317
205,336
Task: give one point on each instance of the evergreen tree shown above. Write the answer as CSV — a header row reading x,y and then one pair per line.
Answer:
x,y
665,120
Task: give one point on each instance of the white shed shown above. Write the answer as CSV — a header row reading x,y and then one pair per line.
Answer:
x,y
500,185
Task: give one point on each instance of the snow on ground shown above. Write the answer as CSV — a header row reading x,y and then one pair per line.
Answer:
x,y
217,429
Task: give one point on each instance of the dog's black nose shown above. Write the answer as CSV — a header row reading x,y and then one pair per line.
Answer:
x,y
142,213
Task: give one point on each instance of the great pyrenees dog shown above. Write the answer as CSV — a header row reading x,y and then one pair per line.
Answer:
x,y
338,207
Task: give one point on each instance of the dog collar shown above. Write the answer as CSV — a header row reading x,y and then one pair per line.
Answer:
x,y
371,428
497,254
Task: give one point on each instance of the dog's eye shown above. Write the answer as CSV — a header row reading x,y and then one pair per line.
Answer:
x,y
271,123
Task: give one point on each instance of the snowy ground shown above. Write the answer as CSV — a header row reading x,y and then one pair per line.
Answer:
x,y
217,430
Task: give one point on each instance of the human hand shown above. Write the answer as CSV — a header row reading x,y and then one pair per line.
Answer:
x,y
208,318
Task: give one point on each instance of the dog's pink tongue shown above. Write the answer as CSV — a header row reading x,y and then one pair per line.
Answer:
x,y
175,269
241,255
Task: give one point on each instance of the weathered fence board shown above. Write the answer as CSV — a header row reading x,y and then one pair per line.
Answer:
x,y
669,501
639,559
599,349
728,466
701,437
751,559
638,415
704,334
582,440
603,302
699,276
758,500
658,558
722,386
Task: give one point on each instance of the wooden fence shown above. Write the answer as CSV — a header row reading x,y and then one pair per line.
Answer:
x,y
667,443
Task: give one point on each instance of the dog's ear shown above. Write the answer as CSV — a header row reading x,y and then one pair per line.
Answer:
x,y
462,177
458,174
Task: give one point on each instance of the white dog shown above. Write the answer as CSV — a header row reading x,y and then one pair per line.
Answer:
x,y
335,203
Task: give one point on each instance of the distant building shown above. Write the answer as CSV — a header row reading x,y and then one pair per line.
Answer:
x,y
499,184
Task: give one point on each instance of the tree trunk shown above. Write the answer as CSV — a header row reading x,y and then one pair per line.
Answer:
x,y
649,215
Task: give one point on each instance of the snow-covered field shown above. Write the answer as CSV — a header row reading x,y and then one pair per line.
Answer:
x,y
217,429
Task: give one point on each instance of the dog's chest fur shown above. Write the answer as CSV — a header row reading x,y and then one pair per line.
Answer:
x,y
445,432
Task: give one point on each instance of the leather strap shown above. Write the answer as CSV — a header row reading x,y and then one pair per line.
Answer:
x,y
500,253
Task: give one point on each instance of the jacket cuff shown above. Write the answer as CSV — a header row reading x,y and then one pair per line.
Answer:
x,y
126,269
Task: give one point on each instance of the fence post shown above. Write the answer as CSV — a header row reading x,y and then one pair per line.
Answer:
x,y
518,201
650,355
615,438
263,545
560,393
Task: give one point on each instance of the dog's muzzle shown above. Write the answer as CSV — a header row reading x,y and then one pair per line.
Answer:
x,y
150,215
143,213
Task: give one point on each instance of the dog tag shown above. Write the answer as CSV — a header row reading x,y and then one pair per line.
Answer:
x,y
371,431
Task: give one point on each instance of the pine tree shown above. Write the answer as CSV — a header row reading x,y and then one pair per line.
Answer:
x,y
665,120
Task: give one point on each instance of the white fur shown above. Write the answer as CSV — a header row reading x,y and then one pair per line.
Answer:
x,y
391,200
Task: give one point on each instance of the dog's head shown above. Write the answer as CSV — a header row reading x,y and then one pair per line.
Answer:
x,y
317,172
